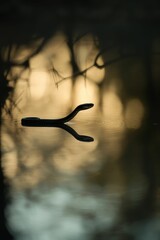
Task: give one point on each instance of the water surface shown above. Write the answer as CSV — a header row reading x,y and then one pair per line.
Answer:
x,y
60,188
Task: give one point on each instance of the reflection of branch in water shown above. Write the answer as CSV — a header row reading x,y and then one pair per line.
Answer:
x,y
82,138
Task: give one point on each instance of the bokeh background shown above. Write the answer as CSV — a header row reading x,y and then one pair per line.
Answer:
x,y
55,55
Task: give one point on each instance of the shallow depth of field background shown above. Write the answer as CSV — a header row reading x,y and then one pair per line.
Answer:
x,y
53,57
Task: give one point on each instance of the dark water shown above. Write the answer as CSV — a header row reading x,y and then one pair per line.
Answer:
x,y
60,188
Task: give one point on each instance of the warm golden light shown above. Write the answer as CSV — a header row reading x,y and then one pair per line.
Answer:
x,y
51,89
57,52
68,160
86,91
19,53
38,84
113,109
95,74
9,158
134,113
85,54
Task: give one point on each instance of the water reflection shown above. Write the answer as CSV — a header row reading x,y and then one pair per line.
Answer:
x,y
67,128
61,188
75,212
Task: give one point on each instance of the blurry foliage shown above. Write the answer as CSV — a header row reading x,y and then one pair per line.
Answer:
x,y
124,30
